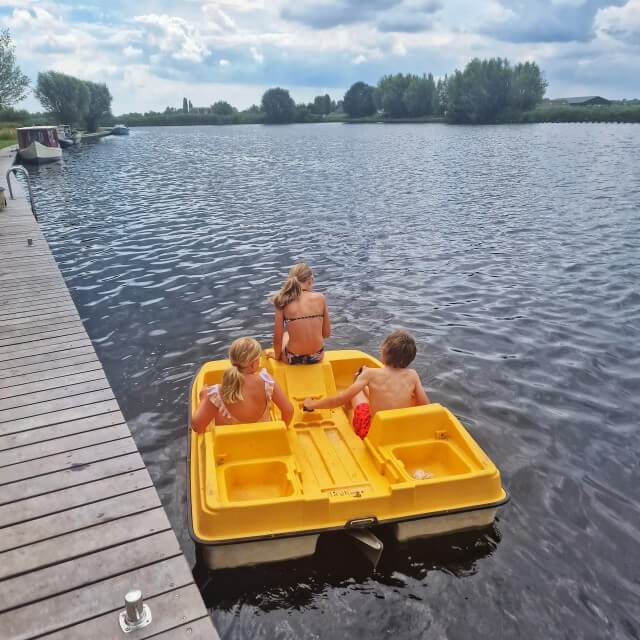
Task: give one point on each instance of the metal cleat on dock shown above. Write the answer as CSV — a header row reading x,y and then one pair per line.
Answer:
x,y
136,614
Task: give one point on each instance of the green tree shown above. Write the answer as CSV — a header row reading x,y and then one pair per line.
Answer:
x,y
13,83
390,94
419,96
440,97
222,108
322,105
66,97
480,93
358,100
528,86
99,104
278,106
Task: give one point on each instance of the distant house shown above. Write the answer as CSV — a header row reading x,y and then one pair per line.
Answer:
x,y
584,101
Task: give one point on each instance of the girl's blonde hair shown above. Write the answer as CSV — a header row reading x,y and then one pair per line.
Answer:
x,y
242,353
292,288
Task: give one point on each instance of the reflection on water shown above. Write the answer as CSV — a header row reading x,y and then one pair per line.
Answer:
x,y
336,566
512,253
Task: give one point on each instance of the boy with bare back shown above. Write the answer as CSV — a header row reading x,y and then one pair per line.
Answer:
x,y
394,386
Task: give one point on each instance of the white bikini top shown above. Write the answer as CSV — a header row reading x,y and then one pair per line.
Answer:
x,y
215,396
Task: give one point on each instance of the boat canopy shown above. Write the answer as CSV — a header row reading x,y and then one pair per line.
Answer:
x,y
47,136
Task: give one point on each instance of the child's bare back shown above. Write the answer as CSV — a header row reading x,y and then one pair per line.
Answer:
x,y
394,386
390,388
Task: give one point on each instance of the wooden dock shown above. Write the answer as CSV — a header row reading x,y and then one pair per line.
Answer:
x,y
80,520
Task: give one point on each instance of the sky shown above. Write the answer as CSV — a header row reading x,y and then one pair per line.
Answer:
x,y
152,54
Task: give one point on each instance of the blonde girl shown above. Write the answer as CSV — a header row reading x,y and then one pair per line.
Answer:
x,y
301,321
245,394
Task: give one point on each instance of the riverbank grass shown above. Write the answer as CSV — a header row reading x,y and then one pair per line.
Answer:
x,y
8,136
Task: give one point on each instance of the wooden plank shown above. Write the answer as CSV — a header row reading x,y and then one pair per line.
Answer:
x,y
201,629
39,385
13,386
13,376
57,524
72,330
49,348
7,354
75,496
79,543
18,455
35,301
26,279
35,436
26,308
40,413
176,614
38,402
10,279
8,337
37,317
63,415
12,313
29,290
16,323
29,301
70,477
77,458
26,263
92,600
34,347
47,582
53,293
47,360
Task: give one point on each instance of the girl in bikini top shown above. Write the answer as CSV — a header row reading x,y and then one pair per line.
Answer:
x,y
246,392
301,320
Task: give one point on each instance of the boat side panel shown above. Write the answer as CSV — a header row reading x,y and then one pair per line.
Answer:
x,y
232,556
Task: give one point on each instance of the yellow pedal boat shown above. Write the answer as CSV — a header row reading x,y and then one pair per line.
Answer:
x,y
265,492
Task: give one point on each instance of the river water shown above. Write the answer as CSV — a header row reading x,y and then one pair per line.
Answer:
x,y
513,255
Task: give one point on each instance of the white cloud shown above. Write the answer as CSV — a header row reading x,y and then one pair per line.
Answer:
x,y
224,62
174,36
131,52
621,23
256,55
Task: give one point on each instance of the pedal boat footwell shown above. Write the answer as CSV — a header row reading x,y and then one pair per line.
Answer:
x,y
265,492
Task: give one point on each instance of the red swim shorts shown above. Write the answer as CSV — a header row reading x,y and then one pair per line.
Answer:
x,y
362,419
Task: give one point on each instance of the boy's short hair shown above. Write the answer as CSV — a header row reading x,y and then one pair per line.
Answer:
x,y
399,349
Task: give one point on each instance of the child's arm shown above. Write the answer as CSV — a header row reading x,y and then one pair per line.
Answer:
x,y
278,330
204,414
326,321
339,399
421,395
283,403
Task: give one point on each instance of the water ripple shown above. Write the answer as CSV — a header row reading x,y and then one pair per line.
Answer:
x,y
513,254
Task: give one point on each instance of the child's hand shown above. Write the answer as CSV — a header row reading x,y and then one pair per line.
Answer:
x,y
307,404
270,354
203,392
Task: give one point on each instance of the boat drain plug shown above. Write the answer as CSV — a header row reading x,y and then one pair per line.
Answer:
x,y
136,614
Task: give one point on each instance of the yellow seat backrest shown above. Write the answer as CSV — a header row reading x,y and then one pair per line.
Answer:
x,y
235,442
413,424
305,380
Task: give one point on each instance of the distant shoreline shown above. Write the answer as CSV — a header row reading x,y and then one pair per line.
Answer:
x,y
620,112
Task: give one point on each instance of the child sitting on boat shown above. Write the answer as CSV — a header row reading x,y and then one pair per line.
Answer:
x,y
301,319
394,386
246,392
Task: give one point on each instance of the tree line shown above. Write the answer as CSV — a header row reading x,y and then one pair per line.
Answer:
x,y
73,101
485,91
